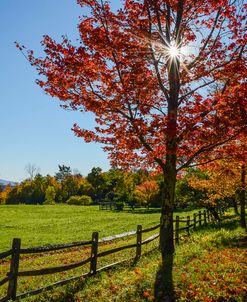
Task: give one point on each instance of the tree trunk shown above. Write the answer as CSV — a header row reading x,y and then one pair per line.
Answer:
x,y
213,211
242,198
164,290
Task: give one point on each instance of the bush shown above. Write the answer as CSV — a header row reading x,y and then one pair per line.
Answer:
x,y
83,200
119,205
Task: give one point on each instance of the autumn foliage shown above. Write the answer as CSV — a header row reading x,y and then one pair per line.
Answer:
x,y
164,80
147,191
120,72
222,181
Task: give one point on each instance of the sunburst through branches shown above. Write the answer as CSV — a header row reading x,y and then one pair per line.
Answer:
x,y
173,51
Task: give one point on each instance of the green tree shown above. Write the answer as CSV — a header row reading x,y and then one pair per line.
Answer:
x,y
185,194
50,195
83,200
64,171
97,180
38,189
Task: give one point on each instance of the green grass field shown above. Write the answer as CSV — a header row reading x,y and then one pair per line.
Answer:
x,y
40,225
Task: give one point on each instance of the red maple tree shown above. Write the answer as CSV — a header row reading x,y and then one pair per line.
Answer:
x,y
164,79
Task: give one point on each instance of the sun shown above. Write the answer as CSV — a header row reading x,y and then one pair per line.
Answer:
x,y
173,51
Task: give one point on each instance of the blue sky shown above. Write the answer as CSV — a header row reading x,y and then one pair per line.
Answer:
x,y
34,129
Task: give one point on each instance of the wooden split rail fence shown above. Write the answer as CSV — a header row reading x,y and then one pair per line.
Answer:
x,y
114,206
199,219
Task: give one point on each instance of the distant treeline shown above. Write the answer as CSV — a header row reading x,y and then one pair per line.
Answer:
x,y
134,188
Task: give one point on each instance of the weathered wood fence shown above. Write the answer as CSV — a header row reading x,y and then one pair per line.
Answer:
x,y
198,219
114,206
106,206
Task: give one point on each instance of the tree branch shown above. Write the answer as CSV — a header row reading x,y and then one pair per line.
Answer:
x,y
208,148
192,64
194,90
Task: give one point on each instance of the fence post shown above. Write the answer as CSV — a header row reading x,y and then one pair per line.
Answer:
x,y
194,218
14,267
208,215
94,252
205,216
138,242
211,216
188,225
200,218
177,230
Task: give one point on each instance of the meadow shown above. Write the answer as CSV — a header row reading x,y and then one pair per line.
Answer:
x,y
209,266
38,225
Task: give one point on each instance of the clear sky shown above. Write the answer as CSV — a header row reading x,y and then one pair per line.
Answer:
x,y
34,129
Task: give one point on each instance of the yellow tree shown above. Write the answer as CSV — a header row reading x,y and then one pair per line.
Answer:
x,y
224,179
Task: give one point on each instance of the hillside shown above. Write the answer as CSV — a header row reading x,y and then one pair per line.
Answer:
x,y
7,182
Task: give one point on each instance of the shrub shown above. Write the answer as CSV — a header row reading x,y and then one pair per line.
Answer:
x,y
119,206
83,200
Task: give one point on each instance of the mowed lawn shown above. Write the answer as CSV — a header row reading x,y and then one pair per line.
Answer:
x,y
40,225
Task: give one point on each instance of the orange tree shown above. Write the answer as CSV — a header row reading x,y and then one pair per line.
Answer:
x,y
163,79
147,191
4,193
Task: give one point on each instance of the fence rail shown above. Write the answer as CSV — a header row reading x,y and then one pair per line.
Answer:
x,y
55,247
5,254
16,252
119,236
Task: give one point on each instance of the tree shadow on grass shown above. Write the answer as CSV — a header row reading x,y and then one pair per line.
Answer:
x,y
164,287
237,241
62,294
230,222
69,292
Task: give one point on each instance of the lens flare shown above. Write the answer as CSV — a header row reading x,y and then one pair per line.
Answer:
x,y
173,51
